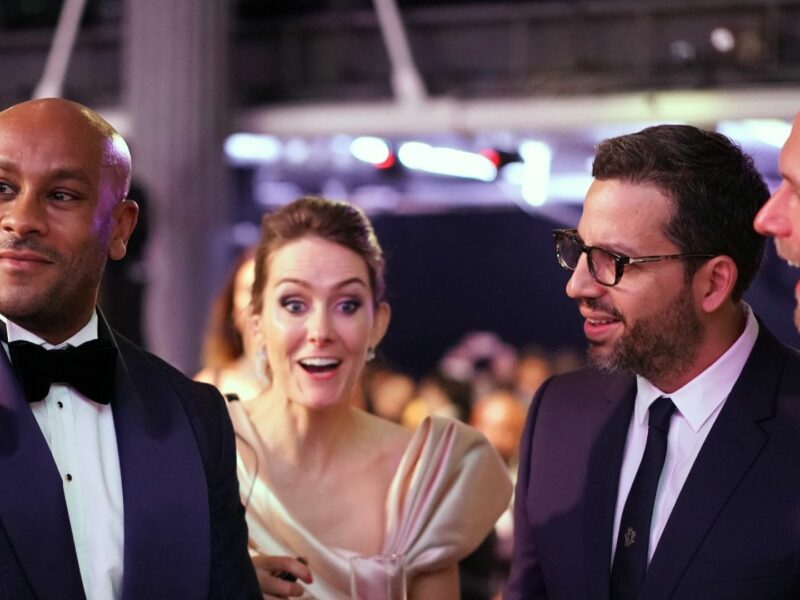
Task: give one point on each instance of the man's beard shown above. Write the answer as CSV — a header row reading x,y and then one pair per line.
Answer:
x,y
657,347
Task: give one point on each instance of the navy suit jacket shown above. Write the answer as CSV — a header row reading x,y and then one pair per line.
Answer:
x,y
734,532
184,531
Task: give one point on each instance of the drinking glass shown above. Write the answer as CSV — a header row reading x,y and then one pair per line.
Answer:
x,y
379,577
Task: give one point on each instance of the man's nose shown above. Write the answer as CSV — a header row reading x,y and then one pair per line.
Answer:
x,y
582,284
773,218
23,214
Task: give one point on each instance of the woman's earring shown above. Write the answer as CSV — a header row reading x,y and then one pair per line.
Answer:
x,y
370,353
262,366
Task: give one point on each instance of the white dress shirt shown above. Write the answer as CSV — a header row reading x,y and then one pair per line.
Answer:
x,y
83,441
697,406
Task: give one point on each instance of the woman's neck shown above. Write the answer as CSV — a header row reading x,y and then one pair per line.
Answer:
x,y
303,435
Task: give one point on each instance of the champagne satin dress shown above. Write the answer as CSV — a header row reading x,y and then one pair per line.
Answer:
x,y
456,488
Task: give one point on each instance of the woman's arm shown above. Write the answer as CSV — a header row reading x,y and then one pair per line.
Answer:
x,y
439,585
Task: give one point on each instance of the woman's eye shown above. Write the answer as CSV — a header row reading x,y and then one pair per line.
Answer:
x,y
350,306
292,305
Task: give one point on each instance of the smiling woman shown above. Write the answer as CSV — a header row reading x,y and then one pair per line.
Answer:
x,y
322,480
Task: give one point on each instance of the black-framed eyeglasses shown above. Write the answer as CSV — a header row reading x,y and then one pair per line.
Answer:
x,y
606,267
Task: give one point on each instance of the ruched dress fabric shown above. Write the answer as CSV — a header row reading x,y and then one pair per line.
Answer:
x,y
449,489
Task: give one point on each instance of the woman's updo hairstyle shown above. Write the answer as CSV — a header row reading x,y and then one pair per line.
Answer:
x,y
334,221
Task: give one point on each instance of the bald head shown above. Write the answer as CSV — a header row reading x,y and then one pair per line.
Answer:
x,y
64,177
81,125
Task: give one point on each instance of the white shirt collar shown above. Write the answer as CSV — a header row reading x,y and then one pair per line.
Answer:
x,y
697,400
87,333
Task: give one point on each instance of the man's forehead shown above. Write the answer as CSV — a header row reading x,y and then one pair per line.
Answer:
x,y
621,215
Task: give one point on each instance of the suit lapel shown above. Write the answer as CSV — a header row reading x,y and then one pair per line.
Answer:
x,y
167,523
602,483
732,445
32,505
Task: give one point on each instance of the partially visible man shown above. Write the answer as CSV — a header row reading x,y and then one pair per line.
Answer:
x,y
780,216
117,473
666,469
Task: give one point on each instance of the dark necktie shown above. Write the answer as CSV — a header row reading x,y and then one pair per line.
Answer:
x,y
630,558
89,368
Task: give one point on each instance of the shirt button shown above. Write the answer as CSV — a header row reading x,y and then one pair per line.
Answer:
x,y
60,404
68,477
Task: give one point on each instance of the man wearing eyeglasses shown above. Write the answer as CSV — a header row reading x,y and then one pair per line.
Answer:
x,y
668,468
780,217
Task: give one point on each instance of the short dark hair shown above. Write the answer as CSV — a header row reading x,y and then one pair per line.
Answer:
x,y
715,188
334,221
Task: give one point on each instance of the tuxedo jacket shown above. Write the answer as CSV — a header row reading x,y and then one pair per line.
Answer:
x,y
734,532
184,531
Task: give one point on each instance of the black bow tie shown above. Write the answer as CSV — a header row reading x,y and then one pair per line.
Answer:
x,y
89,368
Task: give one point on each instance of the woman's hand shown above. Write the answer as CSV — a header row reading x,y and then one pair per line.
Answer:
x,y
278,575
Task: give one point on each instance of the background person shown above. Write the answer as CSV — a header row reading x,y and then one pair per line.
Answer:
x,y
780,216
230,360
324,480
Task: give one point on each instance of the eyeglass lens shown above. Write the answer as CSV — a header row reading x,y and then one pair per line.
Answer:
x,y
602,265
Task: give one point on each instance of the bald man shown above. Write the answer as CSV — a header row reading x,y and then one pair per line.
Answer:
x,y
780,216
117,473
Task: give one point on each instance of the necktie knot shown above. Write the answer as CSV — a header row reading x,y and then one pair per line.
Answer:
x,y
89,368
660,413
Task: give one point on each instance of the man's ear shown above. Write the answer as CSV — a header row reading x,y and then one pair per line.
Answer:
x,y
126,214
383,314
714,282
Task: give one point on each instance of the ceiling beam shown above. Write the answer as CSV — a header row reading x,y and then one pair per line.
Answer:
x,y
538,114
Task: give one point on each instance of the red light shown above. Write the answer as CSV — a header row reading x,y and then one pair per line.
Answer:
x,y
492,154
387,163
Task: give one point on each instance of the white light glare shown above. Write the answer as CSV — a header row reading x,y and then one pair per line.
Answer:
x,y
252,148
446,161
722,39
536,158
772,132
371,150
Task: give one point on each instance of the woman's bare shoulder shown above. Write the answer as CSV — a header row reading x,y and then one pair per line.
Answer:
x,y
384,434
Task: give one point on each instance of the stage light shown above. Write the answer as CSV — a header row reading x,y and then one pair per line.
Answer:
x,y
536,158
722,39
501,158
446,161
297,151
372,150
245,148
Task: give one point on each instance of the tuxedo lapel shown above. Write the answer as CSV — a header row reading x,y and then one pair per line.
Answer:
x,y
32,505
167,522
600,503
732,445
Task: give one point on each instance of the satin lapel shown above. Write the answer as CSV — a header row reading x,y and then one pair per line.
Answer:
x,y
600,501
165,494
732,445
32,505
